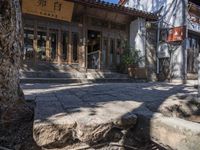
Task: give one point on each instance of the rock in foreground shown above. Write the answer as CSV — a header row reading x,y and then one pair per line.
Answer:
x,y
56,126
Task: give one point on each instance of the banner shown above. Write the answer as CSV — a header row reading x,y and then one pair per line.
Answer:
x,y
56,9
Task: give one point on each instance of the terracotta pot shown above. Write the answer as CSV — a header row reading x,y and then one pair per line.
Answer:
x,y
137,73
131,72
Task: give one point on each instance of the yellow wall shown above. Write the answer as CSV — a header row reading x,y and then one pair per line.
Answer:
x,y
57,9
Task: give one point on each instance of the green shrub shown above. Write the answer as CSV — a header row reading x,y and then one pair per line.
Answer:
x,y
131,56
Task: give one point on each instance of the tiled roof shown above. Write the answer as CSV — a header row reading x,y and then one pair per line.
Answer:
x,y
197,2
116,7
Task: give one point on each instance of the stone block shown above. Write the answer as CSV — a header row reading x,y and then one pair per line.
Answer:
x,y
175,133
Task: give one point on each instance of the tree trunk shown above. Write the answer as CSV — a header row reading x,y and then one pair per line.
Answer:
x,y
199,77
12,104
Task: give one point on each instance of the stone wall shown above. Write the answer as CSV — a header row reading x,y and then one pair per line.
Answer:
x,y
151,54
137,37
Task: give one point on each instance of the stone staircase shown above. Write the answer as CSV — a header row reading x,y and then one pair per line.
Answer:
x,y
53,73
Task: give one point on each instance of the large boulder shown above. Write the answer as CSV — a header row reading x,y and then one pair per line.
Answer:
x,y
57,125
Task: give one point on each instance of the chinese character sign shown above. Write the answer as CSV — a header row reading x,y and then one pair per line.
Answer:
x,y
176,34
42,3
57,9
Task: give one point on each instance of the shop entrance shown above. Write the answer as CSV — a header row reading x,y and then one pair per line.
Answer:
x,y
94,49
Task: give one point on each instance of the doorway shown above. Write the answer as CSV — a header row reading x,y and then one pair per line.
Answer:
x,y
94,49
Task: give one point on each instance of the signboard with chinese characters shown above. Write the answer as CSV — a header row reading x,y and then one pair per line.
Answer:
x,y
176,34
56,9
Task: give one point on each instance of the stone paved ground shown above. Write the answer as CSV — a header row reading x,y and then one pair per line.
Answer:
x,y
87,112
151,95
105,92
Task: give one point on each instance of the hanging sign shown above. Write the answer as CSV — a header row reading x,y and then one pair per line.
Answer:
x,y
56,9
176,34
163,50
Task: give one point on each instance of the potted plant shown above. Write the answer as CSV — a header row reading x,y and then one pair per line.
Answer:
x,y
130,61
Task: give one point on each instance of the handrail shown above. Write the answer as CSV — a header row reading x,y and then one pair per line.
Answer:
x,y
91,53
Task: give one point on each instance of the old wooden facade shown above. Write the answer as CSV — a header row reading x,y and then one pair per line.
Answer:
x,y
93,38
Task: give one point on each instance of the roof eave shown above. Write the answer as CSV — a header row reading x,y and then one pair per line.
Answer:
x,y
118,8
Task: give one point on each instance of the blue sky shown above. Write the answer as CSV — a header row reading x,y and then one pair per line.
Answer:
x,y
112,1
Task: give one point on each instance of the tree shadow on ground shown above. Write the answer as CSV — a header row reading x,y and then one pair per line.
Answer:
x,y
148,98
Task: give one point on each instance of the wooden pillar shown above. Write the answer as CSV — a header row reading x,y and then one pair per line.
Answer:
x,y
59,56
108,49
108,52
69,59
115,52
80,47
100,52
48,53
82,52
35,42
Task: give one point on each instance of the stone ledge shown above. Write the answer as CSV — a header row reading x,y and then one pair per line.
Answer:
x,y
175,133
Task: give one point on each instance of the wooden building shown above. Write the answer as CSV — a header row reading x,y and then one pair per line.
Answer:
x,y
88,33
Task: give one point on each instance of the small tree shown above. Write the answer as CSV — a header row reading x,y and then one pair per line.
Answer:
x,y
131,57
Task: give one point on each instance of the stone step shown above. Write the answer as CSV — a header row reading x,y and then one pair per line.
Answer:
x,y
79,80
99,74
47,66
45,74
71,74
51,80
